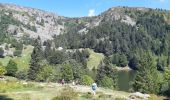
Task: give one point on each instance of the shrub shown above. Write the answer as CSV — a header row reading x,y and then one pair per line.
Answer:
x,y
107,82
2,70
86,80
67,94
18,53
88,95
67,73
11,68
103,96
46,73
21,75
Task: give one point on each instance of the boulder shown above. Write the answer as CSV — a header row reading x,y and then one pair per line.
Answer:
x,y
138,95
12,29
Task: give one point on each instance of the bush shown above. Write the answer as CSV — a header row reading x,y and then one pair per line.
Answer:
x,y
2,70
119,60
67,73
57,57
107,82
86,80
16,45
21,75
88,95
11,68
67,94
18,53
45,74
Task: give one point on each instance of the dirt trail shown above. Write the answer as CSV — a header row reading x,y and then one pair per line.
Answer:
x,y
50,90
86,89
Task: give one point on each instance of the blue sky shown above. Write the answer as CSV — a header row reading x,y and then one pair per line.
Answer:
x,y
79,8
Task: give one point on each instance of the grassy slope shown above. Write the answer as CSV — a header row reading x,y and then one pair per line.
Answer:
x,y
94,59
23,61
51,90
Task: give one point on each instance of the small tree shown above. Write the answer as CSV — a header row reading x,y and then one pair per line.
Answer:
x,y
45,74
86,80
146,79
56,57
36,57
104,72
123,60
67,73
77,69
107,82
11,68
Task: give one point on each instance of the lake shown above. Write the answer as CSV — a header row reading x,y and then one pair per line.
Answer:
x,y
124,79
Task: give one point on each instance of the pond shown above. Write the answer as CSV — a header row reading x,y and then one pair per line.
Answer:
x,y
124,79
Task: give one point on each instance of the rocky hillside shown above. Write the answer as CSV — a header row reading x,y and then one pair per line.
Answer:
x,y
34,22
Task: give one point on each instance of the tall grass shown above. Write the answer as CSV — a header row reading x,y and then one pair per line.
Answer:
x,y
6,86
67,94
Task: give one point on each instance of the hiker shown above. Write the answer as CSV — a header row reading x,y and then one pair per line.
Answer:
x,y
94,87
62,82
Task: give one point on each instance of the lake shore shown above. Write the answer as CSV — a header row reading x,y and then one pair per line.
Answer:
x,y
127,68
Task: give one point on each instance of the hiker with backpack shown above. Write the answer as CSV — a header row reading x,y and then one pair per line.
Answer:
x,y
94,87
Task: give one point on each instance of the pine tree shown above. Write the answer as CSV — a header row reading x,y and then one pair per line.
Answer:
x,y
106,70
11,68
47,51
147,79
36,57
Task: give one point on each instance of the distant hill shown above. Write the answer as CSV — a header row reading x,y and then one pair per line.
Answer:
x,y
119,31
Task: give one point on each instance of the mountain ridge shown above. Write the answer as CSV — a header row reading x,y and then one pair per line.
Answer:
x,y
36,22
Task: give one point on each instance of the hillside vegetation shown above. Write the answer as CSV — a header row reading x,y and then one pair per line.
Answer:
x,y
43,47
21,90
23,61
94,59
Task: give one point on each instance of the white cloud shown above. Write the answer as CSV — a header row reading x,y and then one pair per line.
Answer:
x,y
162,0
91,12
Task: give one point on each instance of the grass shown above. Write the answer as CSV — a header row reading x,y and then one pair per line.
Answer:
x,y
23,61
155,97
15,86
54,91
94,59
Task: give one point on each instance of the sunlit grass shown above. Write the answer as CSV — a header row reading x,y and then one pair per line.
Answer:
x,y
23,61
94,59
9,86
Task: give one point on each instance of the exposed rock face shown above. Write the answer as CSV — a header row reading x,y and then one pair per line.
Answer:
x,y
6,52
35,22
45,23
128,20
12,29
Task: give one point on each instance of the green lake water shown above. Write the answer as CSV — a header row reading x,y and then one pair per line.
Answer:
x,y
124,79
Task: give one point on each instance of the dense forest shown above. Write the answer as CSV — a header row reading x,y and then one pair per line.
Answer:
x,y
144,47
